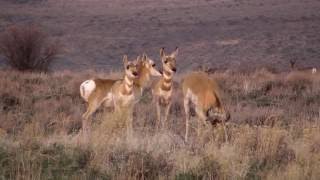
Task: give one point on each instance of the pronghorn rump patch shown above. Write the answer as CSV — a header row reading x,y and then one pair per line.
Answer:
x,y
86,88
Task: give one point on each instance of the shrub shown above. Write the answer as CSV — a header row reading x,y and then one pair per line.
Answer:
x,y
27,1
27,48
139,164
30,160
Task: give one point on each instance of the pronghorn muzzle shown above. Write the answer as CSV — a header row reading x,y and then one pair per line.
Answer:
x,y
215,117
135,74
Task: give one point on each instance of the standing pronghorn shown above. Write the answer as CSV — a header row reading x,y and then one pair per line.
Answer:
x,y
146,69
162,90
307,70
203,92
123,97
98,91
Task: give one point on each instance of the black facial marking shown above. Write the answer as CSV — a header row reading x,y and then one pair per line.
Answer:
x,y
135,73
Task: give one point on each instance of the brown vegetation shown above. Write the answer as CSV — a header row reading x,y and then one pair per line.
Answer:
x,y
27,48
274,132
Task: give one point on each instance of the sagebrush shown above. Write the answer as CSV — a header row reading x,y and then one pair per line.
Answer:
x,y
28,48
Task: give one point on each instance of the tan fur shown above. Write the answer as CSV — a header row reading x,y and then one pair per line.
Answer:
x,y
99,95
162,89
199,89
122,92
102,93
146,69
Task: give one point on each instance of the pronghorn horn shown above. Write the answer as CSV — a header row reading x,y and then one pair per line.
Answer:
x,y
162,52
125,59
175,53
144,57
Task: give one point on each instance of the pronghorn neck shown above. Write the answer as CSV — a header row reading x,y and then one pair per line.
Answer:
x,y
127,85
167,81
144,77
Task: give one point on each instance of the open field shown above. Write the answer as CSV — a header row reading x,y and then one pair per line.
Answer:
x,y
217,33
274,132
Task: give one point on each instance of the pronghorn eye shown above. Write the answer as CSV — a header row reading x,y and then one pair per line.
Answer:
x,y
165,61
153,65
127,67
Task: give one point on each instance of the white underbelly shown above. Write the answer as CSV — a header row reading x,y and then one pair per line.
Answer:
x,y
166,94
128,100
192,97
124,100
107,101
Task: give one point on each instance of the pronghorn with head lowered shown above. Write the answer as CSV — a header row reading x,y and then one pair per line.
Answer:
x,y
98,91
162,90
199,89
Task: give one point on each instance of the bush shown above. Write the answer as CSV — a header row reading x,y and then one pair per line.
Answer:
x,y
31,160
139,164
27,48
26,1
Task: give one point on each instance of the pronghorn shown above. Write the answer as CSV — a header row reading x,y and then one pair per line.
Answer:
x,y
146,69
123,97
199,89
308,70
162,90
98,91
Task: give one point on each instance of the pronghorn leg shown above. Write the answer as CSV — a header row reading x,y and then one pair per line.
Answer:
x,y
201,120
158,114
92,107
116,106
129,121
187,112
225,131
167,110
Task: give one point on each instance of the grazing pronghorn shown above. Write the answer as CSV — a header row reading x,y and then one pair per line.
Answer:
x,y
162,90
203,92
98,91
308,70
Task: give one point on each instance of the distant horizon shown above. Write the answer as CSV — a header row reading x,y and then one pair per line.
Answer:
x,y
221,34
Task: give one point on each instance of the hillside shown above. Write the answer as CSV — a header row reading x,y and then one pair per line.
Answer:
x,y
274,129
236,34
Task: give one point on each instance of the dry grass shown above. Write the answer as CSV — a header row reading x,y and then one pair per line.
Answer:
x,y
274,132
27,48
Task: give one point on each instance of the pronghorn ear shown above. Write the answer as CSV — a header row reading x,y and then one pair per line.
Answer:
x,y
175,53
125,59
162,52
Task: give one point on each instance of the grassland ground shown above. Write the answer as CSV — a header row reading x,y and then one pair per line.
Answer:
x,y
274,131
